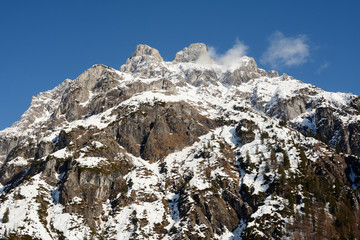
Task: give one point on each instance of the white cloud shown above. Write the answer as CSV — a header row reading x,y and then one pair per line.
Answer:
x,y
288,51
322,67
232,58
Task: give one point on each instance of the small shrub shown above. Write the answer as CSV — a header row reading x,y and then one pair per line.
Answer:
x,y
282,123
123,187
18,196
173,230
264,135
222,145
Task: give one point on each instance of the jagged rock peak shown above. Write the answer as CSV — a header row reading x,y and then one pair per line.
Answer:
x,y
89,77
145,50
191,53
140,59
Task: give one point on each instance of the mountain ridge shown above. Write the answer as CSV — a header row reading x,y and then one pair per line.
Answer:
x,y
172,137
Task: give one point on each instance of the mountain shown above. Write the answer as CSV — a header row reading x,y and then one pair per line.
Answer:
x,y
188,149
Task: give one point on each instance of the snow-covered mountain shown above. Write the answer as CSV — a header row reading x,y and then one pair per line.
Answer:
x,y
188,149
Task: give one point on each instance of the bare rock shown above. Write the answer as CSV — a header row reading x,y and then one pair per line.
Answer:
x,y
153,132
247,71
144,62
191,53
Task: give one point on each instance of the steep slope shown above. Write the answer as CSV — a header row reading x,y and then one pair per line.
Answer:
x,y
188,149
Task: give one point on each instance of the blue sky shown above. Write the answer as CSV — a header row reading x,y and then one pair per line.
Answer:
x,y
44,42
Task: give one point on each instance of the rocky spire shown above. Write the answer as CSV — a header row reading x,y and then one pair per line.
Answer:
x,y
191,53
147,52
143,54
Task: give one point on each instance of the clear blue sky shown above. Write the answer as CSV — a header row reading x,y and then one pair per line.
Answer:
x,y
45,42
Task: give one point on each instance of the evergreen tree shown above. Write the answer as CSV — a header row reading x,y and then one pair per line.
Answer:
x,y
286,160
338,150
5,218
303,159
310,133
248,163
273,157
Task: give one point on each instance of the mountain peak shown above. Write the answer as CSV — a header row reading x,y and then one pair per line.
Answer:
x,y
191,53
224,149
142,56
145,51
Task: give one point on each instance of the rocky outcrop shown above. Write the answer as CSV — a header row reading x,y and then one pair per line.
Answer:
x,y
42,107
325,122
287,109
191,53
6,145
153,132
331,129
83,190
145,62
354,137
248,70
200,77
273,73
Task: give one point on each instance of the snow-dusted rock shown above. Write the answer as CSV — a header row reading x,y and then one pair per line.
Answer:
x,y
191,53
185,149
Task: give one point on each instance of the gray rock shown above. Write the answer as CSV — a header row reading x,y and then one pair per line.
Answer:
x,y
191,53
153,132
272,73
287,109
244,73
145,62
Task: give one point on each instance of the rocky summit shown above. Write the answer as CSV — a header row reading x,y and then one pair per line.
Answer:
x,y
188,149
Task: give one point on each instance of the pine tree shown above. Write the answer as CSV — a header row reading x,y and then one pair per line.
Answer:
x,y
282,178
310,133
5,218
303,159
273,157
286,160
248,163
338,150
290,198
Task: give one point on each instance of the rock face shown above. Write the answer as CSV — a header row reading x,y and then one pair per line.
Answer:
x,y
189,149
153,132
144,61
191,53
244,73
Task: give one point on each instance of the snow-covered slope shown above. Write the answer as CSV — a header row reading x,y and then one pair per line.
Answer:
x,y
184,149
